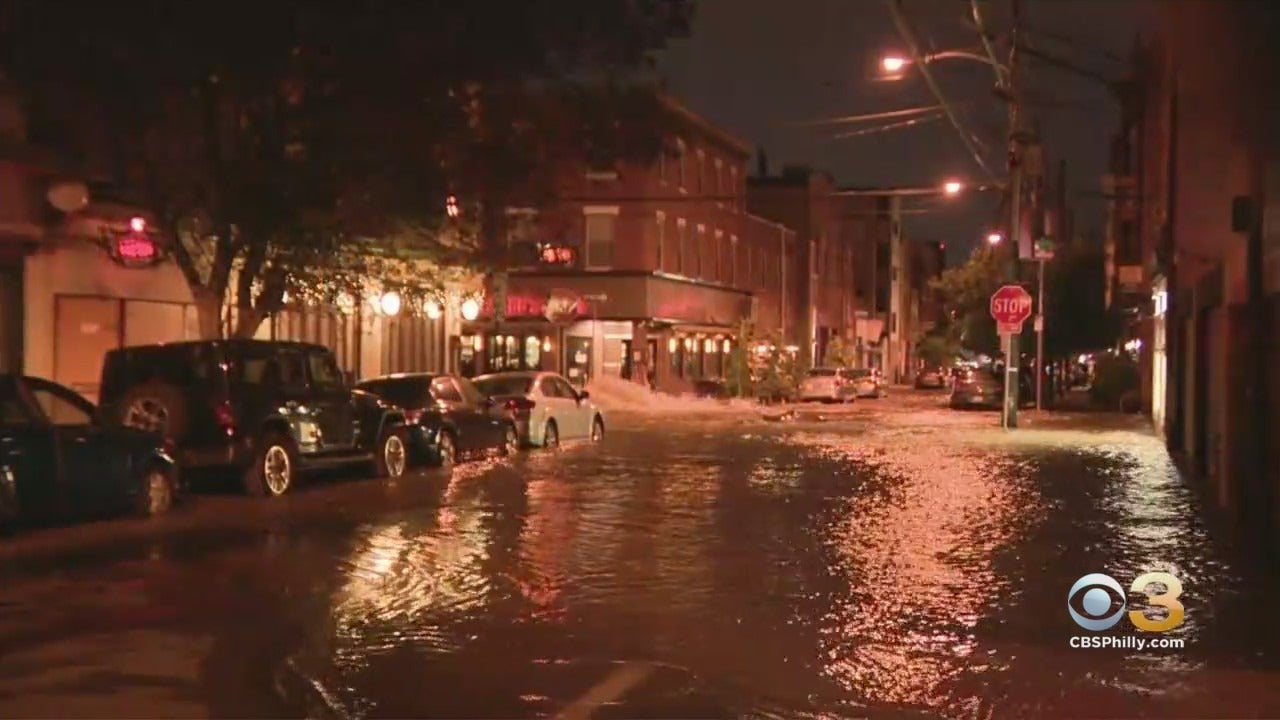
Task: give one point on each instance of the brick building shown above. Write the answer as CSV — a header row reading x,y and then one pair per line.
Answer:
x,y
821,276
644,272
1205,171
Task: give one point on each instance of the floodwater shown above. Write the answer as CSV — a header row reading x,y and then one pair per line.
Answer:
x,y
896,560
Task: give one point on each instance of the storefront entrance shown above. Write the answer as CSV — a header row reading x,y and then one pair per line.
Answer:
x,y
578,360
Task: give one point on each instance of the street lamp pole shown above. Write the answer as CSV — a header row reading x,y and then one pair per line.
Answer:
x,y
1012,357
1040,320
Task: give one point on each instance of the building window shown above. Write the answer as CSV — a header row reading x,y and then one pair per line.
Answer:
x,y
719,186
733,260
660,239
682,165
695,253
601,224
733,187
719,269
662,165
682,239
702,173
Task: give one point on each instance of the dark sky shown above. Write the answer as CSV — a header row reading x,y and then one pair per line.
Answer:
x,y
762,68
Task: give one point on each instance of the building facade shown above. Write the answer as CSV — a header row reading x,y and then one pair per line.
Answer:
x,y
1208,179
822,282
645,272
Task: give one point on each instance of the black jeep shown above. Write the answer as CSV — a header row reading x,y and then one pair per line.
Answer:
x,y
266,409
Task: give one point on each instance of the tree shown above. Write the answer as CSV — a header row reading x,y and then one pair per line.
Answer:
x,y
1076,316
739,376
965,293
315,146
936,350
840,353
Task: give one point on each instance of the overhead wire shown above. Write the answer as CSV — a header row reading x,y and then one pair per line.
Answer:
x,y
913,47
924,109
889,126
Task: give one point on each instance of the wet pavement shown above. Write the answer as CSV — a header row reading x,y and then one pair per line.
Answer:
x,y
893,559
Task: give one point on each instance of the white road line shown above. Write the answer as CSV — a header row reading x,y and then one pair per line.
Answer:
x,y
613,686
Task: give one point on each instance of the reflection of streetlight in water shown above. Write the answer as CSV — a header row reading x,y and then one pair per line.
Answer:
x,y
405,572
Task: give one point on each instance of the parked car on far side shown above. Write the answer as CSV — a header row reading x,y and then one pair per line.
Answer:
x,y
866,382
448,418
546,408
828,385
931,379
58,461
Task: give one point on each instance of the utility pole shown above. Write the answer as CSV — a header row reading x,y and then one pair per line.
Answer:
x,y
1012,355
895,289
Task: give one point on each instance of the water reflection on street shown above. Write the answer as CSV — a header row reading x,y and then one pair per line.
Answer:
x,y
879,563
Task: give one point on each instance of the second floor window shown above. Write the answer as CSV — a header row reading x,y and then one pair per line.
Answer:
x,y
718,188
682,239
733,259
733,187
660,239
695,253
682,165
599,239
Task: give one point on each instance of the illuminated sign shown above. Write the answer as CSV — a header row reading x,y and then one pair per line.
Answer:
x,y
135,250
557,255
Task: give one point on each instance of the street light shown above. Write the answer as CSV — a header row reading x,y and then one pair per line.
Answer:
x,y
893,64
953,187
389,304
470,309
994,238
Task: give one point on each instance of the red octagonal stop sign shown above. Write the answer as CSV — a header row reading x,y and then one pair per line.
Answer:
x,y
1011,305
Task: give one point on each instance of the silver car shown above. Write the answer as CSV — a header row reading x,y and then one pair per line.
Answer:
x,y
827,385
545,407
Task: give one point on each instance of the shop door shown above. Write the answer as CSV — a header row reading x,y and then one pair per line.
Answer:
x,y
578,360
85,329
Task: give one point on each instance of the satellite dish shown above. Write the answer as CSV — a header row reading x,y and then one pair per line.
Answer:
x,y
68,196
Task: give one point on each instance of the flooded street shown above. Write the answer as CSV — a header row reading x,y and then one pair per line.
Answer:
x,y
893,560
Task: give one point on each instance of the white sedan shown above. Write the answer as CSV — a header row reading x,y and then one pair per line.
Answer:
x,y
545,407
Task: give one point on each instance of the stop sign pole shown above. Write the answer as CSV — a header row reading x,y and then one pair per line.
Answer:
x,y
1010,308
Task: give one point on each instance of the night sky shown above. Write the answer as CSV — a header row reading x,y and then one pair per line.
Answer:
x,y
768,69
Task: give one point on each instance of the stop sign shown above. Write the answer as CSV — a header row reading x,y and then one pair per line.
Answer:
x,y
1011,305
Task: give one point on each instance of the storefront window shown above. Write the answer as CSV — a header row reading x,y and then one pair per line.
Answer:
x,y
532,353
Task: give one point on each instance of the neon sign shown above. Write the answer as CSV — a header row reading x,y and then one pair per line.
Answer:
x,y
556,255
135,249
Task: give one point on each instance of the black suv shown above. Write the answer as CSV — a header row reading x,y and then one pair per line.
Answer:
x,y
267,409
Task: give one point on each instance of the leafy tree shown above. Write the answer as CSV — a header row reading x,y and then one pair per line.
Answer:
x,y
965,292
840,353
293,146
1076,317
936,350
739,375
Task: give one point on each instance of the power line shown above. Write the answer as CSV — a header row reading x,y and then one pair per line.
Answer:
x,y
890,126
873,116
908,37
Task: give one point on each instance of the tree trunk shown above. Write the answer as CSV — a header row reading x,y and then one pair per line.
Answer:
x,y
208,314
248,320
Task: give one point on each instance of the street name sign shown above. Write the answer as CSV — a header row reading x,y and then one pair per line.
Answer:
x,y
1010,308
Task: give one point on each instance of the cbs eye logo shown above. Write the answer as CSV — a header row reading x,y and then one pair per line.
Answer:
x,y
1102,604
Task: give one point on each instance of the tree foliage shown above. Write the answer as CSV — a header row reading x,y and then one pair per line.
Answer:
x,y
965,293
310,147
840,353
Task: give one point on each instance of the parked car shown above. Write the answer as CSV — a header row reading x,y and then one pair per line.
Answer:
x,y
983,389
57,460
828,385
931,379
547,409
269,410
866,382
448,418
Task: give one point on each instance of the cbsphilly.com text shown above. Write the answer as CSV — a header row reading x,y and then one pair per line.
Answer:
x,y
1125,642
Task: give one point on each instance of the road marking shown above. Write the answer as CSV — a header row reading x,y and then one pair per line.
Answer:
x,y
613,686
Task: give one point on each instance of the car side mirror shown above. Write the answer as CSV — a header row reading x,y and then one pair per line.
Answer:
x,y
583,395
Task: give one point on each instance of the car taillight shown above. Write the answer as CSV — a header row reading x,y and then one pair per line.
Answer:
x,y
519,406
226,418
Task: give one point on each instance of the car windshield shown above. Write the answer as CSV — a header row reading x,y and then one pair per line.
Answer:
x,y
406,392
821,372
504,385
